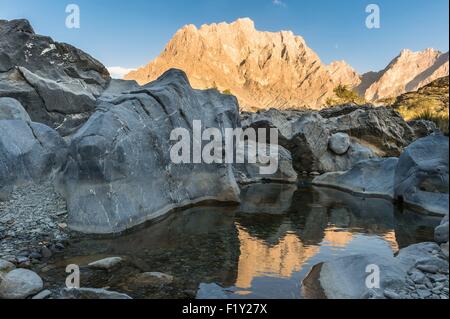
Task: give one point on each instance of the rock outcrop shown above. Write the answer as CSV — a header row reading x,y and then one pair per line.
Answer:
x,y
55,82
335,139
120,173
374,177
422,176
29,152
419,178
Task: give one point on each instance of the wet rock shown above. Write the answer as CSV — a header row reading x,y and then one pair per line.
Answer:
x,y
107,263
120,172
56,83
11,109
20,284
422,177
91,293
370,177
339,143
211,291
152,279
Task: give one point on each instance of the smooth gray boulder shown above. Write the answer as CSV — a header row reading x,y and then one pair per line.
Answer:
x,y
211,292
339,143
422,176
20,284
55,82
120,173
11,109
373,177
29,152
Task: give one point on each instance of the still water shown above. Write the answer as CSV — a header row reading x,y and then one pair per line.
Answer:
x,y
263,248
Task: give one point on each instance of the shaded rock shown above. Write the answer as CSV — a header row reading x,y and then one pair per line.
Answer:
x,y
257,165
11,109
120,172
307,135
28,152
441,233
269,198
92,293
345,277
421,178
371,177
20,284
56,83
423,128
339,143
106,264
5,267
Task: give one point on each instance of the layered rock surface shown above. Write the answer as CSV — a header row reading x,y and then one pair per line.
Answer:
x,y
55,82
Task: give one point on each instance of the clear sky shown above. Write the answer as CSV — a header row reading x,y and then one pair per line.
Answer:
x,y
130,33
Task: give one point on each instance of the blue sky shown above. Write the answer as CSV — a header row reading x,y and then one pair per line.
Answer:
x,y
131,33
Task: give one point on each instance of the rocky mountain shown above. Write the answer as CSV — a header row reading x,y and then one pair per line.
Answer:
x,y
278,69
342,73
406,73
261,68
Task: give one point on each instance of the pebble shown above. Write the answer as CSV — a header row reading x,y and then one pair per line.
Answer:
x,y
43,294
106,264
391,295
428,268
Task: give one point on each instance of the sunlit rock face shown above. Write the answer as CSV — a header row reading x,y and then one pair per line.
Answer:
x,y
408,72
262,69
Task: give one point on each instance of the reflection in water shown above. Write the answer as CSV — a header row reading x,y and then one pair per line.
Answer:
x,y
262,249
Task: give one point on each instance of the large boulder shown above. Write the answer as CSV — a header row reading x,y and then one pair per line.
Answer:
x,y
55,82
373,177
120,172
421,178
29,152
11,109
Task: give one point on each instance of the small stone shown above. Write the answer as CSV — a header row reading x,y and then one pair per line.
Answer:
x,y
62,225
339,143
418,277
46,253
22,259
423,293
152,278
391,295
106,264
432,269
91,293
43,294
20,284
